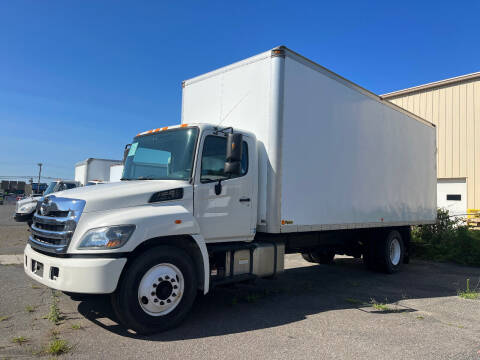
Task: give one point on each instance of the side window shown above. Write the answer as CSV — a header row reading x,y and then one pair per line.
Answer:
x,y
213,158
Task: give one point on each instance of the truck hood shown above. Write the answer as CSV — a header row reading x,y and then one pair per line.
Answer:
x,y
120,194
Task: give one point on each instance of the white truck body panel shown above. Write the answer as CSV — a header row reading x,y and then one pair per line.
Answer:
x,y
331,154
94,169
116,171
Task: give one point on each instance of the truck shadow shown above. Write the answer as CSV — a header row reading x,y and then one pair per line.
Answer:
x,y
296,294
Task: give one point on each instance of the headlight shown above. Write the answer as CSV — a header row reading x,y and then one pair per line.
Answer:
x,y
108,237
27,208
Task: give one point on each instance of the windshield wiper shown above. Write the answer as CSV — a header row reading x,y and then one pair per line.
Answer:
x,y
145,178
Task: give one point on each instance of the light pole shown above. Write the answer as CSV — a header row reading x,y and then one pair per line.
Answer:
x,y
39,174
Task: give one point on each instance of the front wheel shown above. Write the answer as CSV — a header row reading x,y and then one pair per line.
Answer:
x,y
157,291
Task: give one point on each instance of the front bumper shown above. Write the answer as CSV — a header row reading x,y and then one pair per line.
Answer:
x,y
77,275
23,217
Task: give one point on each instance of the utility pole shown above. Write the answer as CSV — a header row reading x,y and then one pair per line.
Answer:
x,y
39,174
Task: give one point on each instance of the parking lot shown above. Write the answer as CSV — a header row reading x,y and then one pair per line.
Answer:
x,y
310,311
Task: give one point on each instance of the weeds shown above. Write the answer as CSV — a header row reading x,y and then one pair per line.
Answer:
x,y
471,294
54,314
420,317
354,301
76,326
379,306
57,347
3,318
19,340
29,308
447,240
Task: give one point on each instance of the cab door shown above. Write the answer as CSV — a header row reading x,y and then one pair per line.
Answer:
x,y
225,213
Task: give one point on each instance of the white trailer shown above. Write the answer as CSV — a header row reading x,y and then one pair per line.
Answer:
x,y
275,155
116,171
93,170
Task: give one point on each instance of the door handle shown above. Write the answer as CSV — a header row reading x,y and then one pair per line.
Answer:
x,y
244,200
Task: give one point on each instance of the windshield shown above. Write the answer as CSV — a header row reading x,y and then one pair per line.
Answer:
x,y
166,155
58,186
50,189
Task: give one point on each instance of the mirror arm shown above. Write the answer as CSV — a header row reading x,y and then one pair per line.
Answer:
x,y
218,187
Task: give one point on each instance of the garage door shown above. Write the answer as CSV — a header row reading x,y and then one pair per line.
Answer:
x,y
452,195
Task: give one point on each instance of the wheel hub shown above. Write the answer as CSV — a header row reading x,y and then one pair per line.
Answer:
x,y
161,289
395,251
164,290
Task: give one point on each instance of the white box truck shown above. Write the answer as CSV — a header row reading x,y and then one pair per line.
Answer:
x,y
275,155
116,171
92,171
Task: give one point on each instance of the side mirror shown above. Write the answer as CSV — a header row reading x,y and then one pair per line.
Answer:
x,y
125,152
233,161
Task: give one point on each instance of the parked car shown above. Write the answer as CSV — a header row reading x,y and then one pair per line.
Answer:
x,y
25,207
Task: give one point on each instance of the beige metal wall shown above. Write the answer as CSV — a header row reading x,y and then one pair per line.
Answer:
x,y
455,110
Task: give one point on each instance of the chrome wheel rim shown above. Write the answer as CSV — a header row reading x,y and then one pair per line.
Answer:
x,y
161,289
395,251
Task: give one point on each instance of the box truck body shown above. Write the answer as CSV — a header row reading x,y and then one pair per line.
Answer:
x,y
116,171
275,155
93,170
331,154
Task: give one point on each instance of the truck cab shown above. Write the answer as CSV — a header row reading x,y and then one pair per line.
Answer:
x,y
183,187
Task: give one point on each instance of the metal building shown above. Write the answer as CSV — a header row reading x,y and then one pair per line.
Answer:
x,y
453,105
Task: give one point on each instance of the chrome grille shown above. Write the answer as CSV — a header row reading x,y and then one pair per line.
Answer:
x,y
54,223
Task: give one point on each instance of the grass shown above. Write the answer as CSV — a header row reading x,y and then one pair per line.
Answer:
x,y
3,318
447,240
76,326
354,301
57,347
471,294
379,306
29,308
420,317
19,340
54,315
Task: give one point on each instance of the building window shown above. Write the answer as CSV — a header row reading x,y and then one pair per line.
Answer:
x,y
454,197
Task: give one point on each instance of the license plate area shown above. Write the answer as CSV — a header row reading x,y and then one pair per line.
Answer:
x,y
37,268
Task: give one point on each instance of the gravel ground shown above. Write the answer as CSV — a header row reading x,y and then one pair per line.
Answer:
x,y
309,311
12,234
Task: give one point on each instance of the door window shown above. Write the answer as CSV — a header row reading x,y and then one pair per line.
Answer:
x,y
213,159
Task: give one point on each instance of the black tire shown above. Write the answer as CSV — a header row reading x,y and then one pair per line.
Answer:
x,y
125,299
323,257
384,258
319,257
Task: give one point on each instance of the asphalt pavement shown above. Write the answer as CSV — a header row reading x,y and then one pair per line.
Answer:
x,y
339,311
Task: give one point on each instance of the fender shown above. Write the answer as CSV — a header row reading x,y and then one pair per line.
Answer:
x,y
206,262
151,221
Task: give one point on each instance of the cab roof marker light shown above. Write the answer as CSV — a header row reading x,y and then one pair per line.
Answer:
x,y
184,125
164,128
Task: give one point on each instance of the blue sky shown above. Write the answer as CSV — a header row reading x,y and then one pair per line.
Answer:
x,y
79,79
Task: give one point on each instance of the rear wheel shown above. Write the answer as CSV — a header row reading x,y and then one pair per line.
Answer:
x,y
157,291
392,252
386,252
